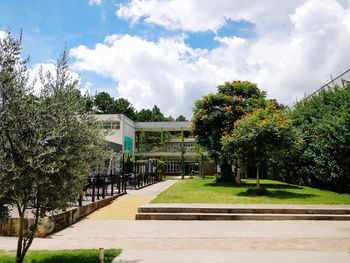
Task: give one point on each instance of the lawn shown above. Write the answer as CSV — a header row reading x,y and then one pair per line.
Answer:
x,y
60,256
207,191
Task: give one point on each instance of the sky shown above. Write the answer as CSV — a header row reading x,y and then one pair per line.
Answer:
x,y
172,52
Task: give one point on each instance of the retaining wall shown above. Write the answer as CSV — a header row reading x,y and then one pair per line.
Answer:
x,y
50,224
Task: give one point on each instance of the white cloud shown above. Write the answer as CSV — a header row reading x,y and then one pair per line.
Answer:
x,y
95,2
87,88
148,73
204,15
288,60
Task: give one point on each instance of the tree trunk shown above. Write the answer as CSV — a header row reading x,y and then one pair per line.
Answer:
x,y
19,254
258,177
202,166
24,243
238,174
226,171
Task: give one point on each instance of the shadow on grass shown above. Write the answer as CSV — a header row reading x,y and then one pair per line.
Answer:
x,y
274,186
252,185
280,194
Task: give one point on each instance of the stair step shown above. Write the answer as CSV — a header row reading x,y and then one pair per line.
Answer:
x,y
246,210
237,216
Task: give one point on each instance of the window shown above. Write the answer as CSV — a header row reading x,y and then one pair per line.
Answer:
x,y
188,146
172,166
115,125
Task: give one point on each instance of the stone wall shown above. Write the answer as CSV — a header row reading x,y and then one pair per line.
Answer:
x,y
51,224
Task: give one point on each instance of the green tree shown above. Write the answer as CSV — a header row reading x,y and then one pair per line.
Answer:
x,y
152,115
259,135
103,102
181,118
89,104
201,157
323,124
144,115
215,114
157,115
123,106
46,142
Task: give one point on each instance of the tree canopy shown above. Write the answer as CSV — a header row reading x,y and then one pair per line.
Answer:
x,y
258,136
104,103
322,123
47,143
215,114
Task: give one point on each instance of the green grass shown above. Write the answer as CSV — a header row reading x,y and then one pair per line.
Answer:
x,y
171,177
61,256
207,191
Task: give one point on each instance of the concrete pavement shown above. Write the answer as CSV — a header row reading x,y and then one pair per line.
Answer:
x,y
204,241
191,241
200,256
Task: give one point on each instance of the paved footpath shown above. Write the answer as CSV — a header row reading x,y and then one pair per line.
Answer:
x,y
125,207
200,241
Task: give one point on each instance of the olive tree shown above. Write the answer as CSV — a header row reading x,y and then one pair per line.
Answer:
x,y
46,143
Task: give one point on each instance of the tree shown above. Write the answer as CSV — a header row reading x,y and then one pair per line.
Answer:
x,y
144,115
201,157
123,106
215,114
259,135
152,115
46,142
104,102
157,115
181,118
322,121
89,104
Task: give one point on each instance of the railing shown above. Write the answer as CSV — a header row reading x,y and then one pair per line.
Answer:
x,y
102,186
137,181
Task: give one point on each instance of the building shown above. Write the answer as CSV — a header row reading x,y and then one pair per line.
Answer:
x,y
171,142
341,80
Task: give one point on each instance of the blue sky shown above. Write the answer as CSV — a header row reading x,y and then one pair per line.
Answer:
x,y
49,26
181,50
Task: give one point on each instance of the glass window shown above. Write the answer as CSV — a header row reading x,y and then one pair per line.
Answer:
x,y
115,125
172,166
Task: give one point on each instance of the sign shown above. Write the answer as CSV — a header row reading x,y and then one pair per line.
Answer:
x,y
128,144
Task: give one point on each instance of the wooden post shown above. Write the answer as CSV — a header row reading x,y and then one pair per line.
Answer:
x,y
258,177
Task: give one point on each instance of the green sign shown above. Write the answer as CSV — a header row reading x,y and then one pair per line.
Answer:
x,y
128,144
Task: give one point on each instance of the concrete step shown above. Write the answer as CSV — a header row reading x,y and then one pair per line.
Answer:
x,y
245,210
237,216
